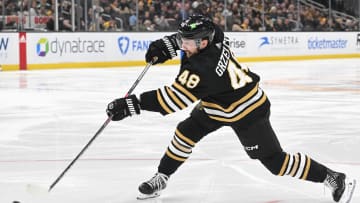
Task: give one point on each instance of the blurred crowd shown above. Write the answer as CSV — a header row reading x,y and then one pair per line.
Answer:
x,y
165,15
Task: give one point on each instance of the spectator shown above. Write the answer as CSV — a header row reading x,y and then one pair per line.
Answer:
x,y
236,27
257,25
323,25
278,25
289,25
227,17
124,7
147,26
132,20
161,23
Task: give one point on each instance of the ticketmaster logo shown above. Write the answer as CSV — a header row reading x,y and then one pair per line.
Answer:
x,y
316,43
42,47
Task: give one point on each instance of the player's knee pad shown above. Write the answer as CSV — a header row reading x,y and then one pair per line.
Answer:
x,y
295,165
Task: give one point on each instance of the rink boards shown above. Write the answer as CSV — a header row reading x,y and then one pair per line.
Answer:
x,y
30,51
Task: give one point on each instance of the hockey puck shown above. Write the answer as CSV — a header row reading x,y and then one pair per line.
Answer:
x,y
15,202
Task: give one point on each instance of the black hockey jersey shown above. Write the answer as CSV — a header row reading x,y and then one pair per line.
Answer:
x,y
228,91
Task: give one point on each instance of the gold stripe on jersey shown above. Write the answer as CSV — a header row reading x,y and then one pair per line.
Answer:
x,y
169,154
285,164
175,98
175,151
180,147
168,100
307,168
248,109
233,105
297,166
183,138
182,97
180,88
162,103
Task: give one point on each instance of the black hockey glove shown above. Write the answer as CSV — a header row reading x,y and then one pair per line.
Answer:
x,y
123,107
164,49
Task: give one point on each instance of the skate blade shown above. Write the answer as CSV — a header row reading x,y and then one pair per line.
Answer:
x,y
142,196
349,190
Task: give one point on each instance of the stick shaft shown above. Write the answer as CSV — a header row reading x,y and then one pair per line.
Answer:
x,y
81,152
102,127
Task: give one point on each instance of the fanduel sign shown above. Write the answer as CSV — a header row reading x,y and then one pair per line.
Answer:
x,y
127,44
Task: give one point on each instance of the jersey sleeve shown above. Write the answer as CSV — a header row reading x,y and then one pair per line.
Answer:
x,y
194,81
167,99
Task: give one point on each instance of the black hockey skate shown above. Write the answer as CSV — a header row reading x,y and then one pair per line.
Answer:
x,y
153,187
342,188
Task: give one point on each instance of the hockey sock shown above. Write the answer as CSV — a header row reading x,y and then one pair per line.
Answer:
x,y
296,165
177,153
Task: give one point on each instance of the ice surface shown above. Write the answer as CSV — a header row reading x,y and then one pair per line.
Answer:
x,y
47,117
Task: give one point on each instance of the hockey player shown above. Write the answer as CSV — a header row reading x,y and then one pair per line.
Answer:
x,y
229,95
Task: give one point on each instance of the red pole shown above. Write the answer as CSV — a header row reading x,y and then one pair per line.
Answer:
x,y
22,51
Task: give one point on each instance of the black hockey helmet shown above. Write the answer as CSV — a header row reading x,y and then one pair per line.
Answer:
x,y
196,27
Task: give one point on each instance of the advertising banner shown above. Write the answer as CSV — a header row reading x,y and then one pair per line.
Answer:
x,y
9,49
74,50
67,47
268,44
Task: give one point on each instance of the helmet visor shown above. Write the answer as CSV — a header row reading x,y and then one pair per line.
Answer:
x,y
186,42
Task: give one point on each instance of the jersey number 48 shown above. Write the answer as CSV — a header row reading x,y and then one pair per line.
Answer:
x,y
238,76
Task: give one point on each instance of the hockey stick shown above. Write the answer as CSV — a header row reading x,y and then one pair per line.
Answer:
x,y
103,125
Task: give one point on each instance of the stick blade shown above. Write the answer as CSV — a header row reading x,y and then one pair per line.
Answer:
x,y
35,189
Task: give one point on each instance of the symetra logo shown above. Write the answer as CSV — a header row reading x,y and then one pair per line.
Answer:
x,y
68,47
321,43
279,42
127,44
264,41
42,47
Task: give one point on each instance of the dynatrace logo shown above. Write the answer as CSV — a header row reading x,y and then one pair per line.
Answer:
x,y
321,43
67,47
42,47
127,44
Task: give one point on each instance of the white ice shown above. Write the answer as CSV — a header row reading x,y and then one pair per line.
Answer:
x,y
47,117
